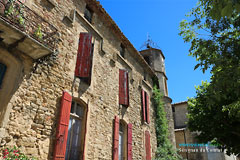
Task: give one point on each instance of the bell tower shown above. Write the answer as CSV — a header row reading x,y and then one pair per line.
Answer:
x,y
156,60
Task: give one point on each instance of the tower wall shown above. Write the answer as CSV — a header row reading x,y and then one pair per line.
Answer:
x,y
155,59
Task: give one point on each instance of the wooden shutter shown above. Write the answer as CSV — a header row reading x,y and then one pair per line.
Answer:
x,y
147,108
147,145
116,138
2,72
62,129
143,106
123,88
84,56
129,142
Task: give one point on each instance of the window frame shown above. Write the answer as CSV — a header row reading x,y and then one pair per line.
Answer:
x,y
82,131
123,124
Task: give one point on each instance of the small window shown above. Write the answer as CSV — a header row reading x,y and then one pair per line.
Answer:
x,y
166,89
122,50
145,76
173,109
147,59
2,72
75,140
88,14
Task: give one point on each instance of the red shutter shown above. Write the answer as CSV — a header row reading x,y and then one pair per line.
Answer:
x,y
116,138
147,145
129,144
84,56
126,87
123,88
147,108
62,129
143,106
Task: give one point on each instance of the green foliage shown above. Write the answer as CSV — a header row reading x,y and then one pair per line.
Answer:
x,y
216,114
221,8
38,32
214,34
13,153
14,10
165,149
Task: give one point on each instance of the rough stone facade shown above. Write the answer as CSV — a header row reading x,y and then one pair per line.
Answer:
x,y
32,88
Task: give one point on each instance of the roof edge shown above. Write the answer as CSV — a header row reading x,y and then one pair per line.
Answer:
x,y
119,33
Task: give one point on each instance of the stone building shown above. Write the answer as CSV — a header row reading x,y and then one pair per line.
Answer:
x,y
186,141
73,86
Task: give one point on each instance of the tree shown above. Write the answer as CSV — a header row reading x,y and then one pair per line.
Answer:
x,y
214,34
220,8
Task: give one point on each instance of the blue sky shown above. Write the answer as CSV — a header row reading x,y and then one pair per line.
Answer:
x,y
160,19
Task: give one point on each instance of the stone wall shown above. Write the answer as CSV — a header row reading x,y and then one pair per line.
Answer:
x,y
180,115
34,106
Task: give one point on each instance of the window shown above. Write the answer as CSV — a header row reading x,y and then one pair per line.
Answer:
x,y
173,109
83,68
2,72
122,144
88,14
121,141
70,133
147,59
145,107
122,50
145,76
123,88
74,148
166,89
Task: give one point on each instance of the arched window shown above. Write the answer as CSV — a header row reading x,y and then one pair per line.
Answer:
x,y
3,68
76,128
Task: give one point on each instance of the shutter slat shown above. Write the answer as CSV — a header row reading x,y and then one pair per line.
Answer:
x,y
129,145
148,145
147,108
62,129
116,138
84,56
143,106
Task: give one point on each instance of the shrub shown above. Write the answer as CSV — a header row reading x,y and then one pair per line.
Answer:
x,y
13,154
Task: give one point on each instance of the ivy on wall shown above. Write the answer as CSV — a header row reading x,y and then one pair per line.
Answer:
x,y
165,149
